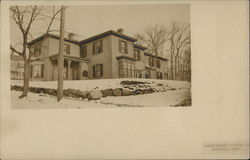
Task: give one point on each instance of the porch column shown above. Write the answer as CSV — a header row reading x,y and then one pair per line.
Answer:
x,y
80,69
69,70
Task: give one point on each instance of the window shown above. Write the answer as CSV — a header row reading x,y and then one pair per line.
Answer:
x,y
153,62
83,52
97,47
126,69
158,64
137,55
38,50
37,71
129,70
123,46
20,65
85,73
120,68
159,75
67,48
125,66
149,61
165,76
133,70
98,70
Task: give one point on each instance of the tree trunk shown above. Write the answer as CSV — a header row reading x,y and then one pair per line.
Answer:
x,y
171,68
26,78
175,69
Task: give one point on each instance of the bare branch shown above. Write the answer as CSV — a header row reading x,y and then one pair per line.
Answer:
x,y
14,50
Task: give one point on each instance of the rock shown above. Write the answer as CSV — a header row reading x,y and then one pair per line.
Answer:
x,y
107,92
138,91
117,92
17,88
131,82
77,93
126,92
40,90
94,95
85,94
172,89
147,91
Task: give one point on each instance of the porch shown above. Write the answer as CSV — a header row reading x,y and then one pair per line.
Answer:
x,y
75,68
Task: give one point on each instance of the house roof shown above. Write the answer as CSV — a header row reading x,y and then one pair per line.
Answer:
x,y
104,34
111,32
126,57
155,56
140,46
53,36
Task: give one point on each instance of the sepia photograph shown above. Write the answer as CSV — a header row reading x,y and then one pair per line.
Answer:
x,y
118,79
100,56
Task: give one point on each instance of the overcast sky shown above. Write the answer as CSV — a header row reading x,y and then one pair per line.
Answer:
x,y
91,20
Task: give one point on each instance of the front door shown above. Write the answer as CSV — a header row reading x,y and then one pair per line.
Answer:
x,y
75,71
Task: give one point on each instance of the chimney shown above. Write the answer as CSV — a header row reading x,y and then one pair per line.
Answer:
x,y
120,30
71,36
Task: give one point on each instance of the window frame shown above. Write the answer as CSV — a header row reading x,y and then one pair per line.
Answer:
x,y
83,51
41,69
66,48
158,63
95,71
97,49
137,54
125,51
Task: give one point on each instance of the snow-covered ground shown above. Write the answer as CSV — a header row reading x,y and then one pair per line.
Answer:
x,y
157,99
43,101
99,84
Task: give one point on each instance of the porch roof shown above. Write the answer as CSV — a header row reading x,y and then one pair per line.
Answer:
x,y
126,57
73,58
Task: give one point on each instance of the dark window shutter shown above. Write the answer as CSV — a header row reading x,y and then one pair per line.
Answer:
x,y
93,48
67,49
126,47
101,46
81,51
94,71
120,45
101,65
42,70
85,51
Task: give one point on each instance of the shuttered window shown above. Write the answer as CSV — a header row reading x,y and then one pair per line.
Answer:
x,y
67,48
98,70
98,47
137,55
83,52
123,46
158,63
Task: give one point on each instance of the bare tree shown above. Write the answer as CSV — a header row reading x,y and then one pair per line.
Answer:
x,y
154,38
179,38
24,17
167,40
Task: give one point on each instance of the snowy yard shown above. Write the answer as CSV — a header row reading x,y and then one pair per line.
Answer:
x,y
100,83
157,99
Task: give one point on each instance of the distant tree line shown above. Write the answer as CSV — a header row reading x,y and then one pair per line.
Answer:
x,y
172,41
